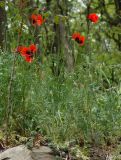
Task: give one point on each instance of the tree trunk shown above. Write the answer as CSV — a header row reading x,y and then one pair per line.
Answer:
x,y
118,11
114,22
61,47
2,23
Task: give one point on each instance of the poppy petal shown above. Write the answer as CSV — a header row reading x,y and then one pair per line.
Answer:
x,y
33,48
28,59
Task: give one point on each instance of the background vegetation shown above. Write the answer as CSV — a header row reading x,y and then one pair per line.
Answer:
x,y
68,92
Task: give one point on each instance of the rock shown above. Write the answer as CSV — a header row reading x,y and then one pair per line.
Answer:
x,y
43,152
42,149
16,153
22,153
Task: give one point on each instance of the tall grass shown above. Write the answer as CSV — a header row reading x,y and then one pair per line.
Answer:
x,y
72,106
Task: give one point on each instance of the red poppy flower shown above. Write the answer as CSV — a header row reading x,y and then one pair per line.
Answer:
x,y
78,38
93,17
37,19
28,52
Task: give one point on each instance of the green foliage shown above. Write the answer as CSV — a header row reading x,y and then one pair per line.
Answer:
x,y
82,103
